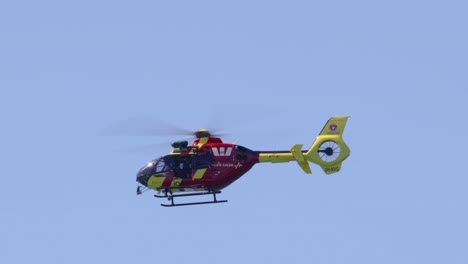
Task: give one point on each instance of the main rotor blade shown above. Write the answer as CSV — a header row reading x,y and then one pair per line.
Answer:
x,y
139,126
148,149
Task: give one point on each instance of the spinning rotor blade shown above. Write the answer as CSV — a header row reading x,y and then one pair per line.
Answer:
x,y
147,149
151,127
145,127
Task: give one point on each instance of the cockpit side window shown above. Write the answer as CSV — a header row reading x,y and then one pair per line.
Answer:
x,y
160,166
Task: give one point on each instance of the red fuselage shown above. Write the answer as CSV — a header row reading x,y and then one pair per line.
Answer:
x,y
209,164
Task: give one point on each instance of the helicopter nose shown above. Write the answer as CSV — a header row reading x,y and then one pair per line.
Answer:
x,y
142,179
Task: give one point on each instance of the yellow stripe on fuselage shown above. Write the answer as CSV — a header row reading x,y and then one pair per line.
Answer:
x,y
202,141
155,182
175,183
199,174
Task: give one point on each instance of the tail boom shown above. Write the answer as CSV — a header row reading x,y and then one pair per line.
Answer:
x,y
328,150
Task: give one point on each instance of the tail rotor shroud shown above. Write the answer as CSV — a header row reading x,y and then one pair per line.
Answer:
x,y
329,151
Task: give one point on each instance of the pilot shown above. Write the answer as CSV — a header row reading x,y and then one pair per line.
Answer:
x,y
178,169
182,168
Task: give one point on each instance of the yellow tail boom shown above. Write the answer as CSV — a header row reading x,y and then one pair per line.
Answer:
x,y
328,150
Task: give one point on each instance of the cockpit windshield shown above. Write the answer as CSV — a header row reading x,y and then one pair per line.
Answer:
x,y
156,166
148,166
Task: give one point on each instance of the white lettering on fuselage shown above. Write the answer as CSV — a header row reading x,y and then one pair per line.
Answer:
x,y
227,165
223,152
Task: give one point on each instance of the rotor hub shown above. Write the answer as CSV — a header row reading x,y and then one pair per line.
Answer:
x,y
202,133
328,151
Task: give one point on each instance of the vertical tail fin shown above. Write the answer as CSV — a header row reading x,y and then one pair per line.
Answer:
x,y
329,150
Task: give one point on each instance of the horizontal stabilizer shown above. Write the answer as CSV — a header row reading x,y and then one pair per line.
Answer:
x,y
296,151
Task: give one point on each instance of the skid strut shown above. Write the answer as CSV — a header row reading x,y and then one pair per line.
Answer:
x,y
170,196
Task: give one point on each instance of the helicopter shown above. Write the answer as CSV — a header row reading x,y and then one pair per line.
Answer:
x,y
209,165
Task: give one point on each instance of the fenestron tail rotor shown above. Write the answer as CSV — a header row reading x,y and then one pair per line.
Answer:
x,y
329,151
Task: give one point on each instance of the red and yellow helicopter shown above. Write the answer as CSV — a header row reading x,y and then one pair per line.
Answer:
x,y
210,165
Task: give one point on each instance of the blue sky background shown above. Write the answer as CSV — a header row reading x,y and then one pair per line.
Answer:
x,y
270,73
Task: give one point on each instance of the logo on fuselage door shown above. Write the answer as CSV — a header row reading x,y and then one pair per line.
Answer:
x,y
223,152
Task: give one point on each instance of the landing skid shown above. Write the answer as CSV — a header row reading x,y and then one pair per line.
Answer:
x,y
170,196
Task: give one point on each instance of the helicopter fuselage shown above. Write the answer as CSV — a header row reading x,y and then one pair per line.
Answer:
x,y
203,166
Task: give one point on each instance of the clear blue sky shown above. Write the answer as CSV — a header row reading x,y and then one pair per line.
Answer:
x,y
270,73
